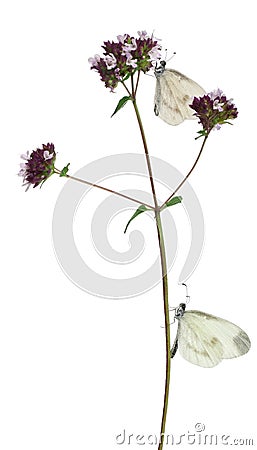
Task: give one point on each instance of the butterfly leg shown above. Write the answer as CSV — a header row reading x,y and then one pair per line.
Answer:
x,y
174,348
156,110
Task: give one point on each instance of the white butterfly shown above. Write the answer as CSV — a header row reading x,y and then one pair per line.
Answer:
x,y
173,94
205,340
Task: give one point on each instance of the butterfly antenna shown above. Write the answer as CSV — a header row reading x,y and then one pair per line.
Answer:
x,y
187,296
172,56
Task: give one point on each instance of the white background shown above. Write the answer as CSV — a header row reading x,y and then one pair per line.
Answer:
x,y
75,369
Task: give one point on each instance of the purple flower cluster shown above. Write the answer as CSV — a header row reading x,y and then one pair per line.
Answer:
x,y
213,110
124,57
38,167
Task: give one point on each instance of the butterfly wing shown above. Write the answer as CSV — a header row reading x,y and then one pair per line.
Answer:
x,y
173,94
205,340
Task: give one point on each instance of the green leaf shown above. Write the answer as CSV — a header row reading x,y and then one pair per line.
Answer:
x,y
140,210
121,103
126,77
202,133
174,201
64,171
130,74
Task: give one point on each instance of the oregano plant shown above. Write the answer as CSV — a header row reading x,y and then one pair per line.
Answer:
x,y
124,61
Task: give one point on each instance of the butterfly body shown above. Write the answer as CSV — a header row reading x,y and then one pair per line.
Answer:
x,y
173,94
204,339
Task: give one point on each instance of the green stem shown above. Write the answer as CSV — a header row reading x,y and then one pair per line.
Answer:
x,y
138,76
167,325
187,175
104,189
150,172
163,268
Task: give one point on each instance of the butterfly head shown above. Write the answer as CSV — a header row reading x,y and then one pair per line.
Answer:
x,y
158,71
180,311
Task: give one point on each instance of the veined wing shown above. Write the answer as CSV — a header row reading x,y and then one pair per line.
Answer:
x,y
205,340
174,92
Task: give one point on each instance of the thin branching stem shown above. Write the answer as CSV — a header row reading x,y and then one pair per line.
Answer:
x,y
105,189
187,175
142,132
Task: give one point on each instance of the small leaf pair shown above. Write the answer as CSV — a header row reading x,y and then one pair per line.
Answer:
x,y
143,208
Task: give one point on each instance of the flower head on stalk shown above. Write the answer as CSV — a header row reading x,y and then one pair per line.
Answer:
x,y
38,166
125,56
213,110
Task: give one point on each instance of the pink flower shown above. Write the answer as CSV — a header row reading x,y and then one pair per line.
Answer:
x,y
213,110
130,47
122,37
111,61
94,61
123,57
39,166
142,34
